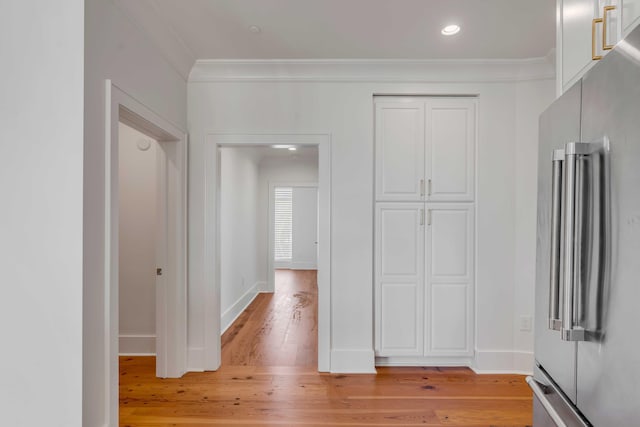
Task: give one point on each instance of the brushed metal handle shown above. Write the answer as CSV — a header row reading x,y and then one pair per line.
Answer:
x,y
556,226
606,10
429,217
421,216
593,39
429,187
539,391
573,212
422,188
569,270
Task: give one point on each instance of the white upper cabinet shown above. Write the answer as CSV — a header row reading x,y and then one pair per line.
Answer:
x,y
630,15
586,31
425,148
450,143
399,150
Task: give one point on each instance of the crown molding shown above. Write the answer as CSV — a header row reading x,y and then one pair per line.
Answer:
x,y
348,70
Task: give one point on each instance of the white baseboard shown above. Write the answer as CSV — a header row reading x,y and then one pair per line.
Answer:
x,y
195,359
262,286
304,266
503,362
353,362
523,362
232,313
137,345
424,361
295,265
485,362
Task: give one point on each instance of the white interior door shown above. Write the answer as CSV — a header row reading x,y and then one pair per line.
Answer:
x,y
304,228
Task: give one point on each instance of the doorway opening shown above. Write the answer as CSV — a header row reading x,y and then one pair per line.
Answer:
x,y
293,227
165,182
218,319
268,256
139,241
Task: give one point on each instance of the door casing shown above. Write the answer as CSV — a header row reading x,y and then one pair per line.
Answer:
x,y
171,290
211,250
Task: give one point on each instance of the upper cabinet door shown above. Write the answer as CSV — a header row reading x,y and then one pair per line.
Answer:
x,y
630,15
586,31
399,150
450,149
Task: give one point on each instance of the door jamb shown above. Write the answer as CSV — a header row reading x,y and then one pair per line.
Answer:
x,y
212,310
172,321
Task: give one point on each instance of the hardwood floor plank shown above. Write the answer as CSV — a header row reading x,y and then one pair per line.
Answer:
x,y
268,378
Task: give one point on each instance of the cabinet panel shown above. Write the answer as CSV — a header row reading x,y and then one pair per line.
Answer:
x,y
399,279
400,319
450,242
399,241
449,320
630,15
399,151
576,20
450,142
449,279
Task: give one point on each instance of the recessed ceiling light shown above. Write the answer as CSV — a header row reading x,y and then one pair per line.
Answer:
x,y
255,29
280,146
450,30
292,148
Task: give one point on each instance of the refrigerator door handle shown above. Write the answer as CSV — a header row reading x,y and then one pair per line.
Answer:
x,y
569,210
571,262
539,391
555,322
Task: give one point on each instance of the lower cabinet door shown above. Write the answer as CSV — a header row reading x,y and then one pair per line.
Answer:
x,y
449,279
399,279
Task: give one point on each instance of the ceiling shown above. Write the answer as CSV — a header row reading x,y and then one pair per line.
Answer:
x,y
187,30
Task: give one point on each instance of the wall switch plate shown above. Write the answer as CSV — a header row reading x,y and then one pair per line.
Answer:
x,y
526,323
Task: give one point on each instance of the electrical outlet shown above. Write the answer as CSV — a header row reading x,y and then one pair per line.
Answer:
x,y
526,323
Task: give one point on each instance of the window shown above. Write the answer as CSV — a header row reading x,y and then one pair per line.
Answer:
x,y
283,221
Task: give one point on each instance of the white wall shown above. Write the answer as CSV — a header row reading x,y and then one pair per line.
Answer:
x,y
115,49
137,233
300,169
273,98
532,97
41,107
238,228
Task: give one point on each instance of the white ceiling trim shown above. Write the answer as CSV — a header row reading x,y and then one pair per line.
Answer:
x,y
337,70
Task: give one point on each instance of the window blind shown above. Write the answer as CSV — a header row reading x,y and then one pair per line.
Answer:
x,y
283,221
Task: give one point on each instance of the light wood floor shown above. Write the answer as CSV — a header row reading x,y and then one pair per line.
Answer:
x,y
278,329
268,377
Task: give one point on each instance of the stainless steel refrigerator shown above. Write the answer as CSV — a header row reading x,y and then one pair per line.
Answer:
x,y
587,318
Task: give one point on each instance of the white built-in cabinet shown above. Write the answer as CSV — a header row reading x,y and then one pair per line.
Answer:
x,y
586,30
425,149
424,229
